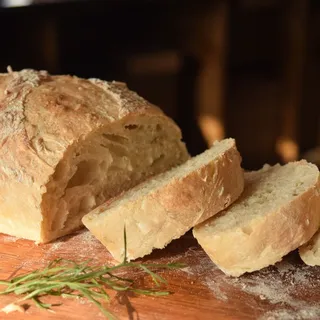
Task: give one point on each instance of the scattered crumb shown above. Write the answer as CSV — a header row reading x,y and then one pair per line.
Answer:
x,y
12,307
84,301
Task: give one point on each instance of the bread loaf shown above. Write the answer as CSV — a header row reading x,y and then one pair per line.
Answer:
x,y
277,212
310,252
168,205
69,144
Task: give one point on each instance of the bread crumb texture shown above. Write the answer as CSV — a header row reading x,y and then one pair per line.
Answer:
x,y
277,212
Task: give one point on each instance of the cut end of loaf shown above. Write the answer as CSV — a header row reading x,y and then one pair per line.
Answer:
x,y
168,205
276,213
107,162
68,144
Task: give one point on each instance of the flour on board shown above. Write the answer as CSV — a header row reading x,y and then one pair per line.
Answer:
x,y
282,286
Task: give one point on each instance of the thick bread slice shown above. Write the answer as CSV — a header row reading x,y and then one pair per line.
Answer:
x,y
310,252
69,144
277,212
168,205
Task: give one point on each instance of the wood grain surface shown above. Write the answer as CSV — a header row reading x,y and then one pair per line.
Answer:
x,y
289,290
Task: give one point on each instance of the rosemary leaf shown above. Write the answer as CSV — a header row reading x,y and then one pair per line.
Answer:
x,y
70,279
108,314
156,278
151,293
40,304
125,245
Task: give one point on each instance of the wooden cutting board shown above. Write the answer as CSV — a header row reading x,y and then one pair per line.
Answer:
x,y
289,290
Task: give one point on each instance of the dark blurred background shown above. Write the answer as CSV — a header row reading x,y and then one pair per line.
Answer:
x,y
247,69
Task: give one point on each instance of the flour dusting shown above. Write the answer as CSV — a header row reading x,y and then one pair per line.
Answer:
x,y
216,289
284,286
80,246
284,314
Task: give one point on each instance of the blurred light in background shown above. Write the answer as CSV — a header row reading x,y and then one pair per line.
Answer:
x,y
211,128
163,62
16,3
287,149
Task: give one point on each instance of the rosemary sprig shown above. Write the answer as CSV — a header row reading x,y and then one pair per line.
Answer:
x,y
69,279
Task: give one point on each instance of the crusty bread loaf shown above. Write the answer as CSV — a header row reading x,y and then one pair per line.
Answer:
x,y
168,205
310,252
69,144
277,212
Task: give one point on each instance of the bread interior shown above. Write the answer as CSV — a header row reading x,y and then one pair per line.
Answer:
x,y
180,172
265,190
110,160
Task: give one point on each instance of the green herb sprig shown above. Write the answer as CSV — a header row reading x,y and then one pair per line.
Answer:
x,y
69,279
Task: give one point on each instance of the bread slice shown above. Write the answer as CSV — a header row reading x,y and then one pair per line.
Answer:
x,y
168,205
69,144
277,212
310,252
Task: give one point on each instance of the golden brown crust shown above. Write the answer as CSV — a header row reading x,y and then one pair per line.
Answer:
x,y
167,212
45,114
41,116
213,186
267,239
